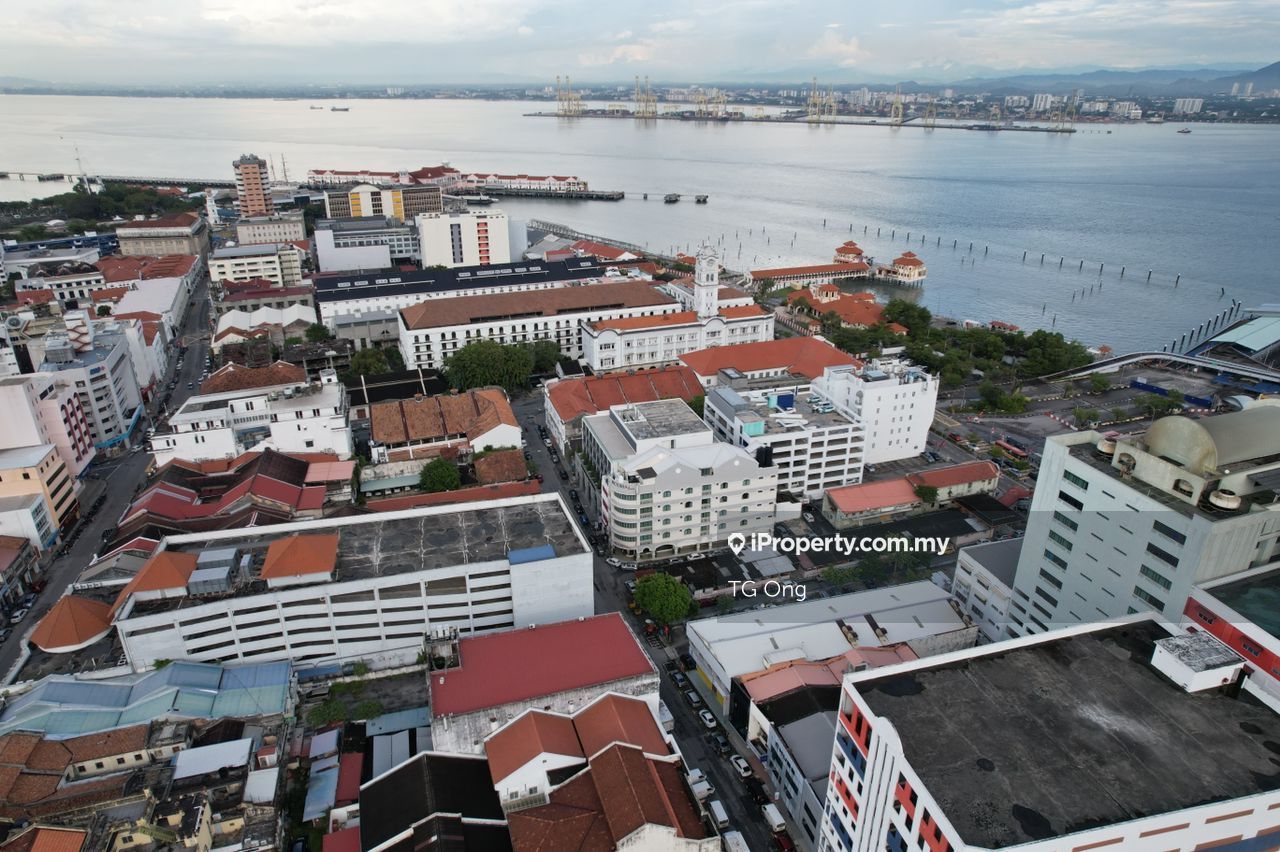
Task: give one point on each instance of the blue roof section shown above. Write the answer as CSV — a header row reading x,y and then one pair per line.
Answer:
x,y
531,554
322,790
402,720
61,705
319,672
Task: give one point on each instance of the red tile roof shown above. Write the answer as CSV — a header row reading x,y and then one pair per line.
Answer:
x,y
518,665
742,312
601,250
908,259
44,838
574,397
299,555
659,321
956,474
532,734
72,623
233,377
806,356
350,766
501,466
36,297
619,718
173,220
435,418
119,267
464,310
109,294
834,270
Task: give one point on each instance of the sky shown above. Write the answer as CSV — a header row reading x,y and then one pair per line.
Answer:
x,y
458,41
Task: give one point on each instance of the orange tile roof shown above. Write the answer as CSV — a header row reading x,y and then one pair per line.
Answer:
x,y
590,395
532,734
45,838
118,267
108,294
619,718
956,474
168,569
432,418
502,466
870,496
806,356
462,495
299,555
107,743
71,623
742,312
835,270
659,321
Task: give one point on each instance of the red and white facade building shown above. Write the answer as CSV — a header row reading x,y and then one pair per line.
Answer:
x,y
1088,772
473,238
635,342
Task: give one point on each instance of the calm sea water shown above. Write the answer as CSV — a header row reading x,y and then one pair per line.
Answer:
x,y
1202,205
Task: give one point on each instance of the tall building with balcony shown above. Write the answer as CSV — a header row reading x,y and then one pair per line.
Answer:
x,y
253,186
1130,524
95,357
812,446
666,487
42,409
39,470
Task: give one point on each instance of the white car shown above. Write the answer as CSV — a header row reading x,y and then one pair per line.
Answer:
x,y
614,561
17,616
740,763
546,442
707,719
692,697
808,516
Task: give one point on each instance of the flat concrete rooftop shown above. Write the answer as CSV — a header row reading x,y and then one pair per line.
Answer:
x,y
1045,740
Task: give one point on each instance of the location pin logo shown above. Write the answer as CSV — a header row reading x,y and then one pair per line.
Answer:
x,y
737,541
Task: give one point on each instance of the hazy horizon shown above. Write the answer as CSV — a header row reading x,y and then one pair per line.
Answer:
x,y
512,42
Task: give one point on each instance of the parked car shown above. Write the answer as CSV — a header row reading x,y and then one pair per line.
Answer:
x,y
708,719
740,764
721,743
679,679
631,587
692,697
614,561
20,614
573,494
546,442
687,661
808,516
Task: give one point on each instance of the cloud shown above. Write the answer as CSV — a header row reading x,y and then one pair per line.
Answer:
x,y
845,53
524,31
676,25
623,36
832,26
637,51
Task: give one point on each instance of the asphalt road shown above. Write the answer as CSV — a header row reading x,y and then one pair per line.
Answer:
x,y
118,478
611,596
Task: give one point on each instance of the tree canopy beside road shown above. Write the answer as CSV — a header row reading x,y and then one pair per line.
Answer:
x,y
439,475
484,363
663,597
84,210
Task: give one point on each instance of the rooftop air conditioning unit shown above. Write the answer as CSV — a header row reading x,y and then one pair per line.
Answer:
x,y
1225,499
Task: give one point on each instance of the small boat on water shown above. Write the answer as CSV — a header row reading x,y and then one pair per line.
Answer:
x,y
51,177
339,109
671,197
480,200
700,199
1185,130
317,107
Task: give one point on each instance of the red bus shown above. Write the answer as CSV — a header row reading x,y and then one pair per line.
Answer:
x,y
1011,450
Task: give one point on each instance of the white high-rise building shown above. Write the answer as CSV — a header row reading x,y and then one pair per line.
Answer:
x,y
1132,524
666,487
1042,102
472,238
892,400
1188,106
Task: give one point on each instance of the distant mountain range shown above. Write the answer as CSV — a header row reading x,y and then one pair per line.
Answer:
x,y
1149,82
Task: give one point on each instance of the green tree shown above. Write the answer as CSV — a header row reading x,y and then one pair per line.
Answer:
x,y
104,310
664,597
928,494
369,362
31,233
368,709
724,604
318,333
327,713
698,404
1099,383
395,360
915,317
989,394
545,355
1084,415
486,362
439,475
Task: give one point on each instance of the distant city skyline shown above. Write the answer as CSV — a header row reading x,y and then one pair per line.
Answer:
x,y
149,42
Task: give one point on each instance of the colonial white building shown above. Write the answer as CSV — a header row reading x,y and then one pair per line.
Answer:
x,y
370,586
892,400
813,446
291,418
276,228
279,263
634,342
432,331
666,487
471,238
